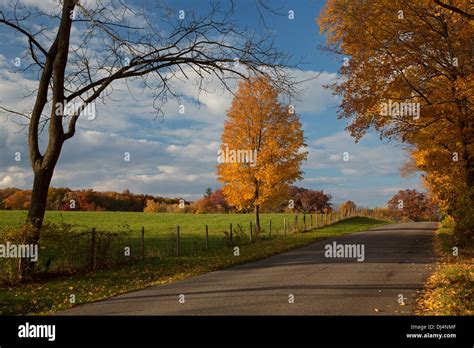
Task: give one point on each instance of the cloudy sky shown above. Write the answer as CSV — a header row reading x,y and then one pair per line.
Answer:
x,y
175,156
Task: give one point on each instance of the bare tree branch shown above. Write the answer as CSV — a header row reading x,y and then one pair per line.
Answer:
x,y
454,9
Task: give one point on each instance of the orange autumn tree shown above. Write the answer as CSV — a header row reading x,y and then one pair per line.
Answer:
x,y
408,73
262,148
443,178
347,206
411,205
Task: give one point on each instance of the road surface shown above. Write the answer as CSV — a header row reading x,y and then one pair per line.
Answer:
x,y
398,259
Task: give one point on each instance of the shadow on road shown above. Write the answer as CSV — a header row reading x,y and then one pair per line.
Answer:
x,y
296,287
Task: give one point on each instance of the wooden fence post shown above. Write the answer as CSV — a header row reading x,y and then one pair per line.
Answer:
x,y
177,240
270,228
230,235
142,244
296,223
92,257
251,232
284,226
207,237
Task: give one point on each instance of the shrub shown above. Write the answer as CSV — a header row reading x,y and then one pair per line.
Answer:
x,y
64,250
10,267
464,216
239,236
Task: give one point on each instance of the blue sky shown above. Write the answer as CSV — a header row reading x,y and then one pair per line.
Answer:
x,y
176,156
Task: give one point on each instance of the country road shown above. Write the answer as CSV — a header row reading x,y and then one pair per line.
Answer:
x,y
398,258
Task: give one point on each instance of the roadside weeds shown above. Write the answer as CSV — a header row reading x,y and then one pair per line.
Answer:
x,y
450,289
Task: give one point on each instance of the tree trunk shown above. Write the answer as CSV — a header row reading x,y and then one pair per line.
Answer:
x,y
468,167
39,196
36,212
469,174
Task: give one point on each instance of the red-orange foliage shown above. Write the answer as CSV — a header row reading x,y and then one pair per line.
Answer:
x,y
411,205
215,202
18,200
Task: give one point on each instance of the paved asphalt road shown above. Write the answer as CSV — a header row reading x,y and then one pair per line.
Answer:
x,y
398,258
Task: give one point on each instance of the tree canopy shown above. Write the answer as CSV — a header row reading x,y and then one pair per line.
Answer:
x,y
262,147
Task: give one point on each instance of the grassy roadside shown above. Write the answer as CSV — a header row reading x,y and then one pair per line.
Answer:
x,y
47,297
450,290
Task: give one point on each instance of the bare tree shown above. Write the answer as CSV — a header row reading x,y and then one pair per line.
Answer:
x,y
115,41
455,9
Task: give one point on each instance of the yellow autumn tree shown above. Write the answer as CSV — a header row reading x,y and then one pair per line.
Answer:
x,y
347,206
262,148
408,72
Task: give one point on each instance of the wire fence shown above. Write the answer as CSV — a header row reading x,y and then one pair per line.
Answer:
x,y
67,252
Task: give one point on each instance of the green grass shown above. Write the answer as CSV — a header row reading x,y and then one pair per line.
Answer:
x,y
450,290
160,228
153,222
49,296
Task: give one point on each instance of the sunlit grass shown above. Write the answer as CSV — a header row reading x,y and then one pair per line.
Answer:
x,y
450,290
160,228
53,295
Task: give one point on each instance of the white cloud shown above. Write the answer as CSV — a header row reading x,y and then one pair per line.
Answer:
x,y
315,99
324,180
47,6
369,156
14,176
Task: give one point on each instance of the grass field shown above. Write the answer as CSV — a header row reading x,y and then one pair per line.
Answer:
x,y
160,228
51,295
153,222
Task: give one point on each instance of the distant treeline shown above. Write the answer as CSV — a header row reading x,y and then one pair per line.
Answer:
x,y
406,205
84,200
213,201
297,200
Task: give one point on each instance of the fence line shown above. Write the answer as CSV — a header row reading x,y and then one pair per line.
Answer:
x,y
104,248
297,226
